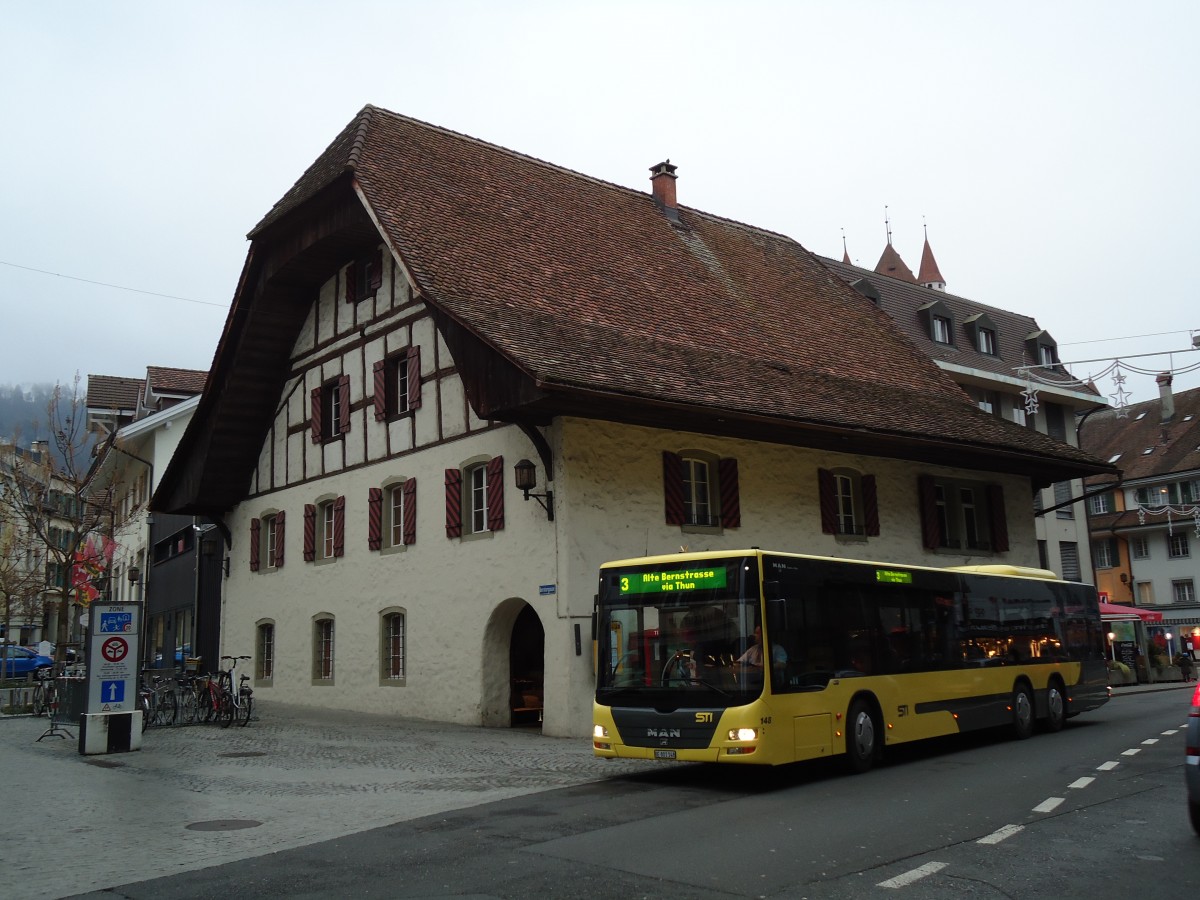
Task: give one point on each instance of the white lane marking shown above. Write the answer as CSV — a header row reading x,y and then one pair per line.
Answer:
x,y
1149,741
1172,731
915,875
1081,782
1000,834
1107,767
1048,805
1134,752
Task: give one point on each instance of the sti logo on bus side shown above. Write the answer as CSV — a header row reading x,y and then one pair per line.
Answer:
x,y
663,732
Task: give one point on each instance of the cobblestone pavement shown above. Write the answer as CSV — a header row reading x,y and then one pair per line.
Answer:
x,y
199,795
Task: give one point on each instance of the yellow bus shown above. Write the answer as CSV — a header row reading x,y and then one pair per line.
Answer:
x,y
758,657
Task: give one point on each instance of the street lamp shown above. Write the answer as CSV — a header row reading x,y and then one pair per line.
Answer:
x,y
1112,644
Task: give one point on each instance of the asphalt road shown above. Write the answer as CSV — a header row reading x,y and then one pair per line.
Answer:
x,y
1096,811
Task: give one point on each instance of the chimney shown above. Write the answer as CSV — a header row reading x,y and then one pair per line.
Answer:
x,y
1166,398
662,185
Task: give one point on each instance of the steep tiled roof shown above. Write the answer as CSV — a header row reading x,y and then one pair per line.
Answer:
x,y
107,392
903,302
597,297
1140,444
175,381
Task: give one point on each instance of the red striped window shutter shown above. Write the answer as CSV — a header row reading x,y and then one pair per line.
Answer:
x,y
380,381
731,504
310,532
414,377
453,503
315,411
280,518
339,526
673,487
827,489
410,511
374,273
931,531
495,493
352,282
999,518
343,387
255,531
374,518
870,500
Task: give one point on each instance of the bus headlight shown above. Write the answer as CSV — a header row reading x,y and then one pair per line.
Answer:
x,y
599,731
743,734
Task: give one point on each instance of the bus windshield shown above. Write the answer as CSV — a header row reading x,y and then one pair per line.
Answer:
x,y
680,634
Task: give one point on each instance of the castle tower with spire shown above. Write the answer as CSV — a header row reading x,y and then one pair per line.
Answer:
x,y
930,276
890,262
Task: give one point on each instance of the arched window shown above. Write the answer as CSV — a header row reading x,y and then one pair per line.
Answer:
x,y
323,649
393,650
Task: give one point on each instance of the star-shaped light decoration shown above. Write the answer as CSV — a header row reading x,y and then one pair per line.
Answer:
x,y
1031,400
1141,516
1121,398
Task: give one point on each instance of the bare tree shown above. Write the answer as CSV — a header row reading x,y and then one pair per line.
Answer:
x,y
22,577
51,492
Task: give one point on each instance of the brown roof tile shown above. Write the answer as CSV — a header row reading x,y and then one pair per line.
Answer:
x,y
1140,444
591,291
111,392
175,381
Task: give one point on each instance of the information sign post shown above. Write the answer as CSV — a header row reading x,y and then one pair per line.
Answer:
x,y
112,722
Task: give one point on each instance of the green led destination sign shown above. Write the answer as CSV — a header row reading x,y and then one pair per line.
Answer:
x,y
891,576
674,580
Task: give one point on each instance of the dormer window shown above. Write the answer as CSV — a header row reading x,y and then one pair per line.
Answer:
x,y
941,329
983,333
939,322
1042,349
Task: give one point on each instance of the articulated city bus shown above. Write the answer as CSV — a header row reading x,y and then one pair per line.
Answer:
x,y
751,656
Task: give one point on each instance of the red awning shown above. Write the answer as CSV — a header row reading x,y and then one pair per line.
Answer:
x,y
1113,612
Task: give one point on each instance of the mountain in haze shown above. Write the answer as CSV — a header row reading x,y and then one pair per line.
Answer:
x,y
25,416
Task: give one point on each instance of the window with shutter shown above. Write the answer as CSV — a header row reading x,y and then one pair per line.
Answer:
x,y
849,505
701,492
398,384
962,515
474,498
329,408
364,276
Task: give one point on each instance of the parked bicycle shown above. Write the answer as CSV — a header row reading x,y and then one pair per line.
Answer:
x,y
45,697
157,700
235,704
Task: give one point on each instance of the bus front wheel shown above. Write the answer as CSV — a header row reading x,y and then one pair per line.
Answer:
x,y
1022,711
862,737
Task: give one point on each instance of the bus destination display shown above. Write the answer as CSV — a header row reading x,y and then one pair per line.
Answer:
x,y
672,580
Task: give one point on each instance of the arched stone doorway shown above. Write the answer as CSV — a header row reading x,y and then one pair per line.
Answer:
x,y
526,667
514,655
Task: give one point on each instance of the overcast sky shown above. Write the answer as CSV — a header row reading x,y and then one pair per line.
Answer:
x,y
1050,147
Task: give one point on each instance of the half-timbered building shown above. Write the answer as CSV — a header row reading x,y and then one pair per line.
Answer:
x,y
426,321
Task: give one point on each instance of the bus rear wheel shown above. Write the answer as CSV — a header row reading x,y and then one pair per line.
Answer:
x,y
1022,711
1056,706
863,749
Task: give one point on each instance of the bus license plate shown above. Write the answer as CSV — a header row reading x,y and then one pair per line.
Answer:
x,y
664,754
